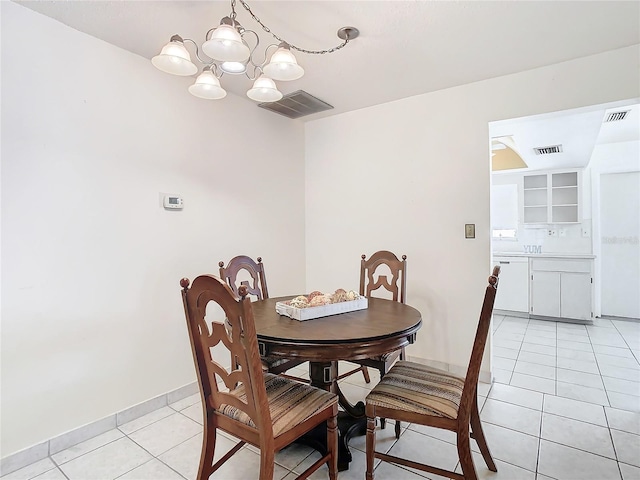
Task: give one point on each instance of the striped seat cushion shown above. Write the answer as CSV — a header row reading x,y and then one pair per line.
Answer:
x,y
290,403
272,362
413,387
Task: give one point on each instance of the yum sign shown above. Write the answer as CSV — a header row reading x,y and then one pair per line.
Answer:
x,y
532,248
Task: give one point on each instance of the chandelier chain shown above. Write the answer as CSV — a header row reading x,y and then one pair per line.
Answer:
x,y
268,30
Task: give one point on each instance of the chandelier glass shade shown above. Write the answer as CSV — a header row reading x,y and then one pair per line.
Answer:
x,y
207,86
175,59
226,45
283,65
264,90
230,49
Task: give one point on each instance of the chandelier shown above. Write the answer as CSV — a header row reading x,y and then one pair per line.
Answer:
x,y
231,50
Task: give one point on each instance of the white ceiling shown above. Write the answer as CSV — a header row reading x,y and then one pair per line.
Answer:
x,y
578,131
405,48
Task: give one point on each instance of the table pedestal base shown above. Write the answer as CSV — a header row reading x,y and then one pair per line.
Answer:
x,y
351,421
348,427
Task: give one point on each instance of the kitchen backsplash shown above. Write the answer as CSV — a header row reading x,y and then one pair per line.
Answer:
x,y
559,238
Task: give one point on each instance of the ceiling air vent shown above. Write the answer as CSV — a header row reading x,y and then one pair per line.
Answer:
x,y
296,105
616,116
548,150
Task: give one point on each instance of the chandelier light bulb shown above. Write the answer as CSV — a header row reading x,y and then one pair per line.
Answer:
x,y
264,90
207,86
283,65
175,59
226,45
233,68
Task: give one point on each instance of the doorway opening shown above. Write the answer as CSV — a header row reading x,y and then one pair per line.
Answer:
x,y
565,185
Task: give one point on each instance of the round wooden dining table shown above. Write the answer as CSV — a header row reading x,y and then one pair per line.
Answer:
x,y
383,327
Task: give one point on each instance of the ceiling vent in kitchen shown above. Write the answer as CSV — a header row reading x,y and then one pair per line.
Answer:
x,y
548,150
616,116
296,105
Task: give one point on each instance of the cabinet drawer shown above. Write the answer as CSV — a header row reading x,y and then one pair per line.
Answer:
x,y
564,265
509,260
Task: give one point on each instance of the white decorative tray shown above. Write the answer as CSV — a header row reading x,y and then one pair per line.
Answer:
x,y
309,313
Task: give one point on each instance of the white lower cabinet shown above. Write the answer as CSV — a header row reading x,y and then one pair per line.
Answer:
x,y
562,288
513,288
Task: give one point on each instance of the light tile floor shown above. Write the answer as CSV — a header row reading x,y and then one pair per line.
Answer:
x,y
564,405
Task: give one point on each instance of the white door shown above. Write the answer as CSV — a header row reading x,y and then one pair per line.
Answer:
x,y
620,244
575,295
513,289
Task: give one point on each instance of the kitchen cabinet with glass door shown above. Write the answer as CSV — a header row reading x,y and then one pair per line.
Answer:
x,y
551,198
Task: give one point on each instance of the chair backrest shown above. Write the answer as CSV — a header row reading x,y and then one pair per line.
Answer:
x,y
473,370
242,343
258,284
371,278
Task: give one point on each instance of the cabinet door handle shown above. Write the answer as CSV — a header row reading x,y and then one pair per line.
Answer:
x,y
503,263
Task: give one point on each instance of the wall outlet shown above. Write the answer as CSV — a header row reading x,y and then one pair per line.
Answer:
x,y
552,232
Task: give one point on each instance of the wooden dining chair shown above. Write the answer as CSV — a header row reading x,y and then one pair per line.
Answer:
x,y
373,275
415,393
257,286
264,410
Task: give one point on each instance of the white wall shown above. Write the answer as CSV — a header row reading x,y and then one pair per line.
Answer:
x,y
92,319
406,176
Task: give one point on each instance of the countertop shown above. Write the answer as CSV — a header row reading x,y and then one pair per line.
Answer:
x,y
544,255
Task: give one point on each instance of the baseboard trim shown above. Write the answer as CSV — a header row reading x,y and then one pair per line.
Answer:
x,y
42,450
621,319
531,316
510,313
561,319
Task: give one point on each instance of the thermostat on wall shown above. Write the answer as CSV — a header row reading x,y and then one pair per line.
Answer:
x,y
173,202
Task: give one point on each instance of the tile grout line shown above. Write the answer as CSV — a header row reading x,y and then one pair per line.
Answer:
x,y
575,419
126,435
604,386
556,382
625,342
515,404
148,461
544,396
519,350
582,450
154,456
59,465
613,444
